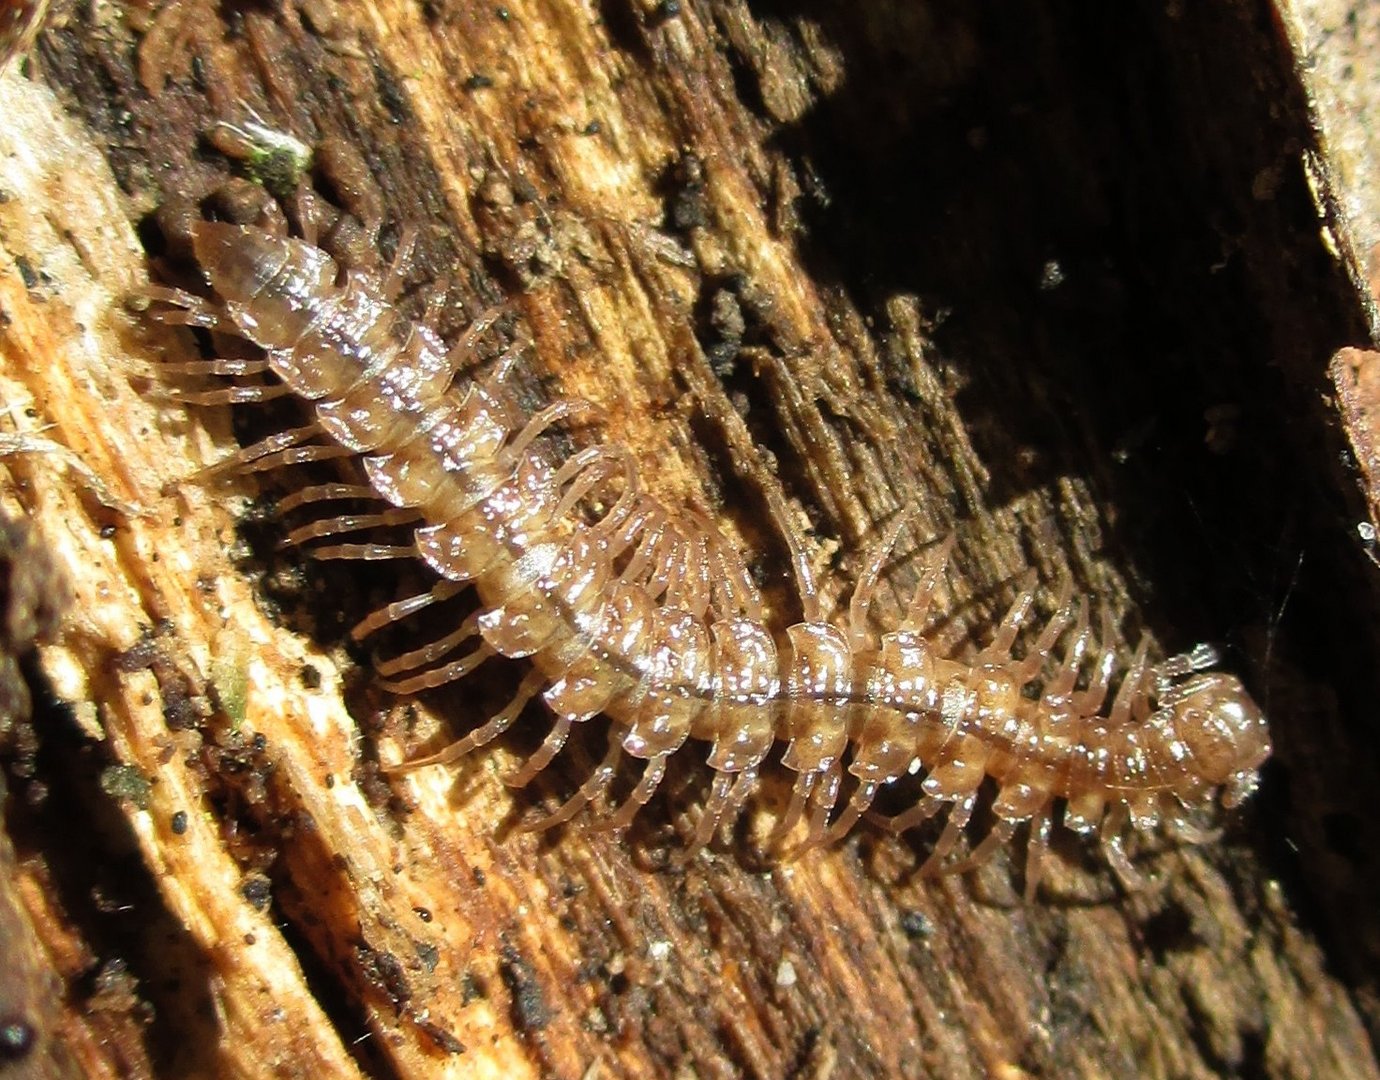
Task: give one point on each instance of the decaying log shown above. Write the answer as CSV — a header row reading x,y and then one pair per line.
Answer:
x,y
1068,283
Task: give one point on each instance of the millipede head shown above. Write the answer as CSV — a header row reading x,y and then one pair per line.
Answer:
x,y
241,263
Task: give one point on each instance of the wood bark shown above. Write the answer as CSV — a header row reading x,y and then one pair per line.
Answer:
x,y
1067,283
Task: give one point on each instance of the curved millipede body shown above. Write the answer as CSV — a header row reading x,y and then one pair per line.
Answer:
x,y
626,608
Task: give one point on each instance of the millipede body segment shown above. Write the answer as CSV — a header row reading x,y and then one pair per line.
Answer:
x,y
647,614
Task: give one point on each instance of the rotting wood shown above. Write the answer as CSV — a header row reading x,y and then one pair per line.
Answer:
x,y
1004,266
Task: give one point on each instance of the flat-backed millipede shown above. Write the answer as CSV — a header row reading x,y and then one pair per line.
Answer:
x,y
648,615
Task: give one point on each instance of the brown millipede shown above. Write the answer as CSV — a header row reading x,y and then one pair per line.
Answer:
x,y
626,608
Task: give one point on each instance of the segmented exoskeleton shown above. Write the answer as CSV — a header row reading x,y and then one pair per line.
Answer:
x,y
649,616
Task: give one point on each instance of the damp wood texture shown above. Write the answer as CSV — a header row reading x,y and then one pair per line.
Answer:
x,y
1068,287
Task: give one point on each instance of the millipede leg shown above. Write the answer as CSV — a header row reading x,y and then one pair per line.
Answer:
x,y
430,653
800,557
218,366
1065,678
866,589
1091,700
652,776
922,811
953,830
858,805
1132,686
800,795
742,788
725,803
597,783
186,309
495,727
401,609
999,835
391,284
243,459
919,608
999,651
1036,853
366,552
348,523
1065,608
708,822
553,414
229,395
698,588
825,797
315,493
543,756
297,455
462,352
735,593
1180,828
429,680
1114,849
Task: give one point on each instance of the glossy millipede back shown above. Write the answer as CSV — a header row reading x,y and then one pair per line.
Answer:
x,y
625,607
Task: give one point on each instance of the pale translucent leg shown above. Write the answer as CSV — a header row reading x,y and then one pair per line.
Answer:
x,y
1065,608
800,557
218,366
709,817
316,493
733,593
1065,677
698,588
1180,828
1036,853
1114,848
725,802
297,455
366,552
348,523
553,414
865,590
1090,701
997,837
999,651
921,812
858,804
1132,686
248,457
401,609
462,352
918,610
597,783
652,775
953,830
643,554
390,286
826,795
429,680
544,754
495,727
582,473
187,309
429,653
228,395
800,795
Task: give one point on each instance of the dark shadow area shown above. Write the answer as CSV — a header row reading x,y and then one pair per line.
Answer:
x,y
1106,210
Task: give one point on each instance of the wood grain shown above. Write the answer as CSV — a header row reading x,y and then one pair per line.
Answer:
x,y
1068,285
